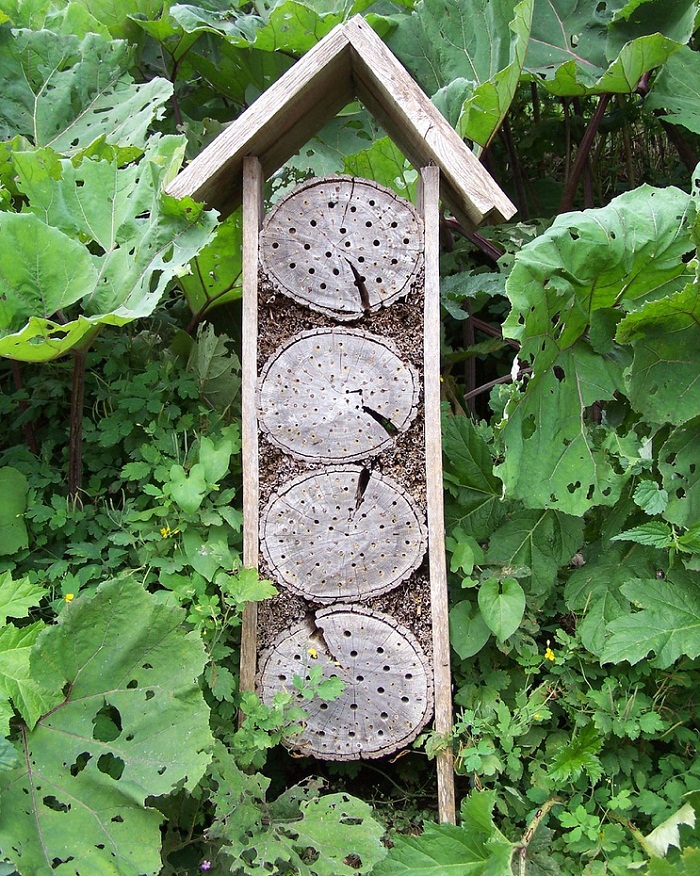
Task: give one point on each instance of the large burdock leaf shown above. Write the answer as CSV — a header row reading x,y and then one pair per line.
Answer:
x,y
582,276
469,56
676,90
128,721
100,248
66,93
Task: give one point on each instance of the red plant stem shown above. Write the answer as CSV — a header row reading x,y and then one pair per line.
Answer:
x,y
27,428
582,154
75,442
515,169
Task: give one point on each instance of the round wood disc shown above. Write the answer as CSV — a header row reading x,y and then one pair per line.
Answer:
x,y
336,395
342,246
342,534
388,695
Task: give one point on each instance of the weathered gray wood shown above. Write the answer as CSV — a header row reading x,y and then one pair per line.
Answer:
x,y
342,534
252,219
343,246
388,687
336,395
350,61
429,197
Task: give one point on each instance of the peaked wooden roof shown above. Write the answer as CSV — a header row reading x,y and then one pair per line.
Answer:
x,y
350,62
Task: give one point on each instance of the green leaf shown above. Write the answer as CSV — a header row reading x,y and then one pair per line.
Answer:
x,y
386,164
188,489
215,278
246,586
468,54
649,496
216,368
13,504
66,93
654,534
663,382
133,241
17,682
468,630
687,865
580,755
676,90
469,479
668,624
680,472
502,605
129,722
210,555
18,597
445,850
543,541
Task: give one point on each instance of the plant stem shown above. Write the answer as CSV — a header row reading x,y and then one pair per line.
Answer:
x,y
515,169
582,154
27,427
537,820
75,442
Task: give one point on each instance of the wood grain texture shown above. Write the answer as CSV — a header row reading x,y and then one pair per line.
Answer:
x,y
342,534
252,219
351,61
429,196
388,687
336,395
343,246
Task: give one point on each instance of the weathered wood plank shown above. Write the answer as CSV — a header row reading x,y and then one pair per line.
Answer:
x,y
429,197
343,246
276,126
388,686
342,534
253,181
420,131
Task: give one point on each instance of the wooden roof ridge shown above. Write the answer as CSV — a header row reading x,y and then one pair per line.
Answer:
x,y
350,62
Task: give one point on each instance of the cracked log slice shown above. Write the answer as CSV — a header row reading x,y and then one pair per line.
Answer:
x,y
336,395
388,683
342,246
342,534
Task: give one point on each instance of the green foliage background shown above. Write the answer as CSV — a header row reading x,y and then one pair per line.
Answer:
x,y
571,341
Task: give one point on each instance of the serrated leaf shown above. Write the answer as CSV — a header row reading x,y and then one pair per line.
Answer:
x,y
580,755
384,163
66,93
543,541
667,833
649,496
468,631
668,623
18,596
17,682
469,479
215,367
13,504
469,56
654,534
118,658
502,605
445,850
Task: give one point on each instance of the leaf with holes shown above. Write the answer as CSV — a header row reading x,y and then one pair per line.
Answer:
x,y
668,623
679,464
66,93
98,245
469,56
128,722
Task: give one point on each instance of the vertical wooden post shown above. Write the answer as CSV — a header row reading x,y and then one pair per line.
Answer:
x,y
428,206
252,220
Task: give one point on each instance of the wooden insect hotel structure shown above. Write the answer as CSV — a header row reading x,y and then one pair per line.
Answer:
x,y
341,400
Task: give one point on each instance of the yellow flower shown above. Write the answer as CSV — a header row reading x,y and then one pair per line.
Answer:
x,y
537,716
549,655
70,597
313,653
165,531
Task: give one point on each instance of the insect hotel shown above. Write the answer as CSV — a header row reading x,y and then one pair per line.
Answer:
x,y
342,473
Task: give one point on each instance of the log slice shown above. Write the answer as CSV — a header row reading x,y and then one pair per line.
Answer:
x,y
342,246
336,395
342,534
387,698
